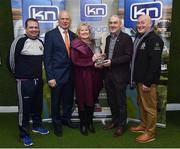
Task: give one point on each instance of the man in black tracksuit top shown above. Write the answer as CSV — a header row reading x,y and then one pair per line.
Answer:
x,y
26,55
145,71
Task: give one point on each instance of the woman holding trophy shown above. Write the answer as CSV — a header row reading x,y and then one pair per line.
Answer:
x,y
88,80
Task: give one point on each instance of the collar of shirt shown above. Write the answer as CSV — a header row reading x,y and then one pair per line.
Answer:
x,y
32,38
114,35
139,35
62,32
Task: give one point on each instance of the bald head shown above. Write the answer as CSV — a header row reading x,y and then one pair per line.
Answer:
x,y
144,24
146,18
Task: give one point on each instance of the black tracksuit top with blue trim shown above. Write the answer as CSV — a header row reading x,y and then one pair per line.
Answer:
x,y
26,57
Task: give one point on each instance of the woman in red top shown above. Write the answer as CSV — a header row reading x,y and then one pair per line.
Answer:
x,y
87,81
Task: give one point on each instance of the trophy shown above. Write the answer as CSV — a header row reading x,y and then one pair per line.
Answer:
x,y
101,57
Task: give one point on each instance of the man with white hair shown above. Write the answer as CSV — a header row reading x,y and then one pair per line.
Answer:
x,y
145,72
59,72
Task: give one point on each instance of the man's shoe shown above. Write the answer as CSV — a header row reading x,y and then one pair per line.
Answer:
x,y
119,132
27,141
144,138
69,124
139,128
40,130
110,126
58,131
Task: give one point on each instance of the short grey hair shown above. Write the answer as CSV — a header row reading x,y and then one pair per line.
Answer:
x,y
116,16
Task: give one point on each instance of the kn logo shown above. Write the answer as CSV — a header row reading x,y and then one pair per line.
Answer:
x,y
95,10
153,9
92,10
44,14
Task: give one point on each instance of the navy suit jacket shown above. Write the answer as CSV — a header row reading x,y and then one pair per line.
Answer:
x,y
57,63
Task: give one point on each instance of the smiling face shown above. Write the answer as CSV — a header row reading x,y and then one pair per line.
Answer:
x,y
114,24
143,24
32,29
64,20
84,32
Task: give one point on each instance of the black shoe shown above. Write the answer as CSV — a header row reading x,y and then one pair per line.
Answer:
x,y
58,130
83,130
69,124
91,128
119,132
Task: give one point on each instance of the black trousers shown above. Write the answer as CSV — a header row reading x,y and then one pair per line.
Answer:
x,y
62,98
116,96
30,102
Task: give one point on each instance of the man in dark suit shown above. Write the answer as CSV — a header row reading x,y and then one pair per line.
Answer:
x,y
58,68
119,49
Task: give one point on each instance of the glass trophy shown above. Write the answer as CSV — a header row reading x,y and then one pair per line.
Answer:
x,y
102,56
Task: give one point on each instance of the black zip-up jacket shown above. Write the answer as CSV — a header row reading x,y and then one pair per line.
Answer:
x,y
147,66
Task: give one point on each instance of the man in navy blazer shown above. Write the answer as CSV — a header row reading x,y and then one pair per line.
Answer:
x,y
59,69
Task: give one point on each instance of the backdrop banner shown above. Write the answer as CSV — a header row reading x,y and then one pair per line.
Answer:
x,y
46,11
96,13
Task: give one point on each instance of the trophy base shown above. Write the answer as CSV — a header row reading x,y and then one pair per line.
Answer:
x,y
98,62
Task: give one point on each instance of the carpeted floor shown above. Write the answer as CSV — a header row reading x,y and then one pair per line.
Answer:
x,y
166,137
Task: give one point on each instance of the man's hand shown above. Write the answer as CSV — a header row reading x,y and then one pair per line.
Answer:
x,y
107,63
52,83
98,66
